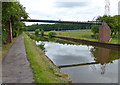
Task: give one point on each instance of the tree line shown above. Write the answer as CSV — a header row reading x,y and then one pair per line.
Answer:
x,y
112,21
57,27
12,12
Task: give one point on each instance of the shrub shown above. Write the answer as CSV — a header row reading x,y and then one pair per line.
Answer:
x,y
37,32
37,38
4,36
32,36
52,33
42,46
42,32
42,38
95,29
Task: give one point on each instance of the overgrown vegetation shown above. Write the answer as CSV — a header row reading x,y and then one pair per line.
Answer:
x,y
44,71
12,12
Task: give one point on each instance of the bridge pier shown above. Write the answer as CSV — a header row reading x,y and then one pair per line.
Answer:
x,y
104,30
104,33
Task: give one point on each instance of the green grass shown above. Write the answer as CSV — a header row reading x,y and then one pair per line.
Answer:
x,y
115,41
83,34
44,71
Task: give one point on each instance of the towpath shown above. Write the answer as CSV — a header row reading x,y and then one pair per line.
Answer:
x,y
15,66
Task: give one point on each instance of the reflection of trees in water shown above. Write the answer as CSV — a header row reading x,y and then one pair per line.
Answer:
x,y
104,56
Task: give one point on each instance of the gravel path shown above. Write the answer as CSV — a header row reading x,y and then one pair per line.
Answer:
x,y
15,66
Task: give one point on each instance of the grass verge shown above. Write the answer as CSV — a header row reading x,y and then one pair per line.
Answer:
x,y
83,34
5,47
44,71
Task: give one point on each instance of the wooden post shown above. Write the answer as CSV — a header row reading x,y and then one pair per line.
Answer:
x,y
10,32
104,32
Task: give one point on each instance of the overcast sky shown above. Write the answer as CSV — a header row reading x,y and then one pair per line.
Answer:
x,y
68,10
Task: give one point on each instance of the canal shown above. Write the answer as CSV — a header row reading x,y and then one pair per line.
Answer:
x,y
84,63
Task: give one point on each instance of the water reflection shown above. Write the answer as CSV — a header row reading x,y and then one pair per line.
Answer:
x,y
104,56
83,63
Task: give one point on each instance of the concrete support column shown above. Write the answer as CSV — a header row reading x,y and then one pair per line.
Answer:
x,y
104,33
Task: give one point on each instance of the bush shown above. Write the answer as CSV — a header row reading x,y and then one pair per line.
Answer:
x,y
4,37
42,32
28,33
32,36
37,38
37,32
95,29
42,46
52,33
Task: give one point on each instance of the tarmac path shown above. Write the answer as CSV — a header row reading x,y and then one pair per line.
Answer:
x,y
15,66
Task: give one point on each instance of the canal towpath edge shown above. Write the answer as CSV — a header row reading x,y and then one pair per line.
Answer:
x,y
15,66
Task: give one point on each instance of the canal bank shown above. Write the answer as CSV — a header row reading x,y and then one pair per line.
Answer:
x,y
83,63
80,60
93,43
43,70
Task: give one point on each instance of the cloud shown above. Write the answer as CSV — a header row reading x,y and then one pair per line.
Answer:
x,y
68,10
71,4
119,8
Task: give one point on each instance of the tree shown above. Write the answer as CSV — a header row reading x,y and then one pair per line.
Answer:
x,y
37,32
112,22
42,32
12,12
52,33
95,29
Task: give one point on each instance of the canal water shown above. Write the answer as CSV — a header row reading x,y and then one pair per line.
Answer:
x,y
83,63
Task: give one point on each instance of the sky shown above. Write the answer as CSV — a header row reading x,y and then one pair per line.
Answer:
x,y
67,10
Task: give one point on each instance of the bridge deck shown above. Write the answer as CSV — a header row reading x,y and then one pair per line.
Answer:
x,y
58,21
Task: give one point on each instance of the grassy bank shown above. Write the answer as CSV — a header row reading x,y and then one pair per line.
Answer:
x,y
83,34
44,71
